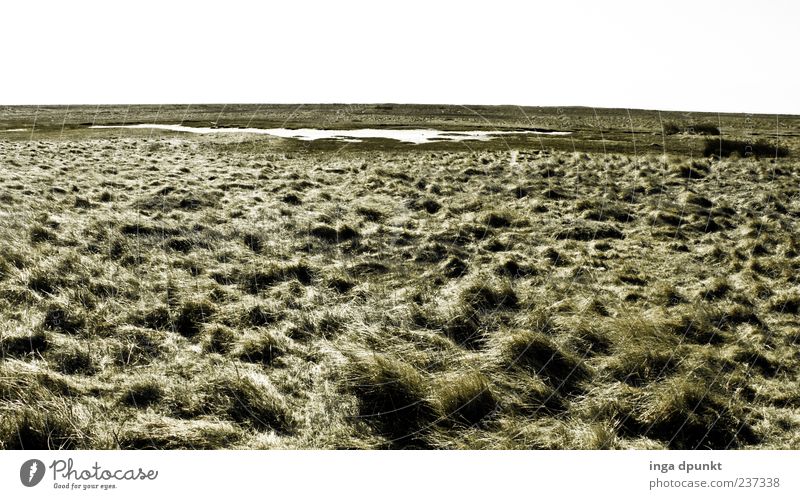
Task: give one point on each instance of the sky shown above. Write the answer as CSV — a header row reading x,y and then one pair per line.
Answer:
x,y
725,56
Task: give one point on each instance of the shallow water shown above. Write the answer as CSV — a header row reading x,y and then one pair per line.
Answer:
x,y
415,136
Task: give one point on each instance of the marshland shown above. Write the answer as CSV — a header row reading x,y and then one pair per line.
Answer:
x,y
629,284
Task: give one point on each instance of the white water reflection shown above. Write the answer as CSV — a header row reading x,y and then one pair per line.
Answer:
x,y
415,136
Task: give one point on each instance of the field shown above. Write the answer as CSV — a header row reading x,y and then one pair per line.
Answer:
x,y
632,285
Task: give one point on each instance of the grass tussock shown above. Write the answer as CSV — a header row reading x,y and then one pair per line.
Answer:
x,y
244,398
73,359
392,394
533,350
688,415
143,392
63,318
192,315
464,398
488,296
45,425
20,344
218,339
165,433
256,280
263,348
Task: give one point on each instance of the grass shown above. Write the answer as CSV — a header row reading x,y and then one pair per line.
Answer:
x,y
533,350
688,415
169,291
32,343
393,395
672,128
40,427
743,148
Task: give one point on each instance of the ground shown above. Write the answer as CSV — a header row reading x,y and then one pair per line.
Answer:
x,y
630,286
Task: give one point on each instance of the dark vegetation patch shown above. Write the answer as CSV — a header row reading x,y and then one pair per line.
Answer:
x,y
63,318
256,280
332,235
219,339
41,234
253,241
17,345
73,359
760,148
693,170
590,232
192,315
148,229
143,393
488,296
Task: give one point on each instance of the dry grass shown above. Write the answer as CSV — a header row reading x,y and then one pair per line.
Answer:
x,y
183,292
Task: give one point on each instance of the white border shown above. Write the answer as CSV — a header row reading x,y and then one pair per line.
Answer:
x,y
690,55
404,474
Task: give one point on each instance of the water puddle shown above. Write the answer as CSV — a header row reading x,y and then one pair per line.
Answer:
x,y
414,136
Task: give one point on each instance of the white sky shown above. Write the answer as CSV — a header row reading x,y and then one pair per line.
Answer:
x,y
688,55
